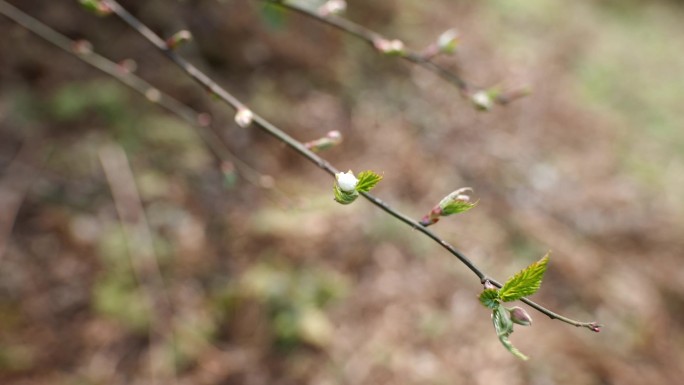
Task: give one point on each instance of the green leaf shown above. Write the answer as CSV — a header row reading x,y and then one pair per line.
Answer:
x,y
526,282
490,298
457,207
503,325
344,197
456,202
367,180
90,5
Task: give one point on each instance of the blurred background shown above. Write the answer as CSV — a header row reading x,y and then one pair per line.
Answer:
x,y
130,255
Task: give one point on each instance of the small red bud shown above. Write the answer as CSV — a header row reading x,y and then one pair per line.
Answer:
x,y
595,327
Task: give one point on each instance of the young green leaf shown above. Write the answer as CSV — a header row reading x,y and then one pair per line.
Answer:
x,y
367,180
344,197
503,325
457,207
490,298
455,203
526,282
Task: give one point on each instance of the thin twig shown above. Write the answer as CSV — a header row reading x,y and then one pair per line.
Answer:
x,y
372,38
422,59
201,121
271,129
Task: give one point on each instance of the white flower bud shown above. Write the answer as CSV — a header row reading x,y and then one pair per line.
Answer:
x,y
244,117
389,47
482,100
448,41
346,181
332,7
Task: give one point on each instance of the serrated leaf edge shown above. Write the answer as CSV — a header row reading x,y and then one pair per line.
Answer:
x,y
367,180
519,286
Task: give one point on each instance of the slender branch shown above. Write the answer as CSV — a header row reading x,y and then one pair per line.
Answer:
x,y
271,129
482,98
372,38
201,121
15,183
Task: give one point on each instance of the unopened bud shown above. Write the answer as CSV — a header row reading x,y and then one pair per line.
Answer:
x,y
390,47
153,95
244,117
127,66
332,7
346,180
432,217
456,202
98,7
82,47
178,39
448,41
345,187
520,316
332,139
595,327
482,100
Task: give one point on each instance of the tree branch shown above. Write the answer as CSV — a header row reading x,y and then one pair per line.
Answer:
x,y
190,116
201,121
374,38
271,129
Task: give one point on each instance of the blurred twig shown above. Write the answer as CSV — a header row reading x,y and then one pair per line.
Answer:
x,y
16,181
372,38
377,40
141,253
299,147
201,121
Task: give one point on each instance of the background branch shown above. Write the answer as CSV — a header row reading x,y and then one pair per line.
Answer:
x,y
271,129
373,38
202,122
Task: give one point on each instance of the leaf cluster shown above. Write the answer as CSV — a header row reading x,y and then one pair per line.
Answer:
x,y
524,283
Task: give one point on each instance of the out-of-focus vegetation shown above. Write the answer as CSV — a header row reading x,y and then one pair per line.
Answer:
x,y
284,286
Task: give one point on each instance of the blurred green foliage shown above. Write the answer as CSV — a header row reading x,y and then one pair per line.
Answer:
x,y
295,299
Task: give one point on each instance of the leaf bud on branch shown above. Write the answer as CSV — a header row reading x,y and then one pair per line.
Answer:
x,y
98,7
244,117
520,316
332,7
82,47
455,203
390,47
178,39
331,139
347,186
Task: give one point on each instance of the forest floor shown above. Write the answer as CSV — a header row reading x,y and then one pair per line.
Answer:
x,y
221,280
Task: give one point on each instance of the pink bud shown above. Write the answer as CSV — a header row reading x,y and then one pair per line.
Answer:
x,y
520,316
595,327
